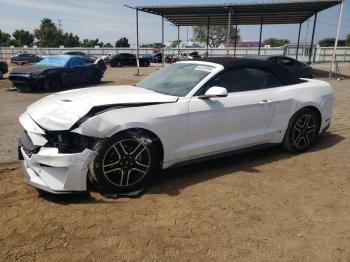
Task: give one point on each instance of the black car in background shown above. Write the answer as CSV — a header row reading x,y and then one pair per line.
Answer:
x,y
298,68
55,72
3,68
22,59
127,59
157,58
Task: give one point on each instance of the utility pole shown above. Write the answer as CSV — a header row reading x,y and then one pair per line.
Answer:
x,y
187,35
334,59
59,24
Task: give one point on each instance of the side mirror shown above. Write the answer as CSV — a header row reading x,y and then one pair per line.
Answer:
x,y
214,91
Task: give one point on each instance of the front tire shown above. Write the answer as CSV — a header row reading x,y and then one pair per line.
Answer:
x,y
52,83
302,131
125,162
96,78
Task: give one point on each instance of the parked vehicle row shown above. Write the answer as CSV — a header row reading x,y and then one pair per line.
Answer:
x,y
25,58
119,137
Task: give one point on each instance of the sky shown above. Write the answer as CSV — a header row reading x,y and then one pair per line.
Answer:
x,y
109,20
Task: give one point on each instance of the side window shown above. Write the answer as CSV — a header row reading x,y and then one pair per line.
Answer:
x,y
273,59
76,61
286,61
243,79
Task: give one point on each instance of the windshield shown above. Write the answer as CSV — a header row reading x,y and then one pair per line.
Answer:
x,y
59,60
177,79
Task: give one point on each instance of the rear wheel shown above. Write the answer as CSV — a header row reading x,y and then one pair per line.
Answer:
x,y
124,163
1,74
116,64
302,131
52,83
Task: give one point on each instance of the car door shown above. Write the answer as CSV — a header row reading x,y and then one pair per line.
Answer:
x,y
131,59
239,120
76,71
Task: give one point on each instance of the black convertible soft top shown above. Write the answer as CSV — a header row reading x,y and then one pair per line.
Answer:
x,y
280,71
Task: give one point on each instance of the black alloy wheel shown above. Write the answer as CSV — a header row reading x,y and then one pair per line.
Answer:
x,y
302,131
124,163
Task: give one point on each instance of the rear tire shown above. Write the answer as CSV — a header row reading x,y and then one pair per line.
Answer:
x,y
1,75
302,130
125,162
116,64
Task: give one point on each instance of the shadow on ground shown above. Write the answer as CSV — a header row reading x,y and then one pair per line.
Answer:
x,y
318,73
173,180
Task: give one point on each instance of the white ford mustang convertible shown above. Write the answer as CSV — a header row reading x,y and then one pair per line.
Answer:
x,y
119,137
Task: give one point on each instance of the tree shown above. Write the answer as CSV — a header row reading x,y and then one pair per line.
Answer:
x,y
107,45
122,42
217,34
48,35
22,37
5,39
175,43
347,40
90,43
70,40
275,42
330,42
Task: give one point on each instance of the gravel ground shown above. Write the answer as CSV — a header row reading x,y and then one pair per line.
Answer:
x,y
267,205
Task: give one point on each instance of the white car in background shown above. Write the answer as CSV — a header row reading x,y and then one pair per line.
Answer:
x,y
120,136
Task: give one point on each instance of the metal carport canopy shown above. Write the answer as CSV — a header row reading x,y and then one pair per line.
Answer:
x,y
276,12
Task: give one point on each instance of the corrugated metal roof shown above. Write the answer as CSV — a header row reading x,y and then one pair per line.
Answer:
x,y
275,12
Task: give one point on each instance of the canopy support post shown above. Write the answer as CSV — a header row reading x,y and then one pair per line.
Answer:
x,y
178,43
336,40
228,33
137,43
208,27
261,24
312,38
163,55
297,53
234,52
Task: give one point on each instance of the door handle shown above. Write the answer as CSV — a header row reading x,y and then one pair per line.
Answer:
x,y
265,101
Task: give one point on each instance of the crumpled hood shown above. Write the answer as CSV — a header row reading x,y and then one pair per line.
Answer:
x,y
60,111
34,69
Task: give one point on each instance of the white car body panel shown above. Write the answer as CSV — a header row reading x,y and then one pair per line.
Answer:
x,y
60,111
187,127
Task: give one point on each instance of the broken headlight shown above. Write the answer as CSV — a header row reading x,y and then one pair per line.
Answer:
x,y
68,142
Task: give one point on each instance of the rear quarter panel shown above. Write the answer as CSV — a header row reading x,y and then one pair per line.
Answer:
x,y
288,100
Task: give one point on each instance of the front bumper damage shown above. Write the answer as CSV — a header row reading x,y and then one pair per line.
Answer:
x,y
57,173
47,169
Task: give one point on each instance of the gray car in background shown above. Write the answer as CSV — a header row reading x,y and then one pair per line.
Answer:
x,y
300,69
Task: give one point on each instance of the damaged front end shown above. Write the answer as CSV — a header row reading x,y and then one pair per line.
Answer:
x,y
56,162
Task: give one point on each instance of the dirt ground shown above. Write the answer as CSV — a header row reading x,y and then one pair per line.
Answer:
x,y
263,206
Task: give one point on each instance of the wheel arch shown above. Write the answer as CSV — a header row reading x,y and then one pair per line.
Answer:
x,y
154,137
313,108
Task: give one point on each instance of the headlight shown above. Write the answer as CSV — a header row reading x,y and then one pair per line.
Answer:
x,y
68,142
